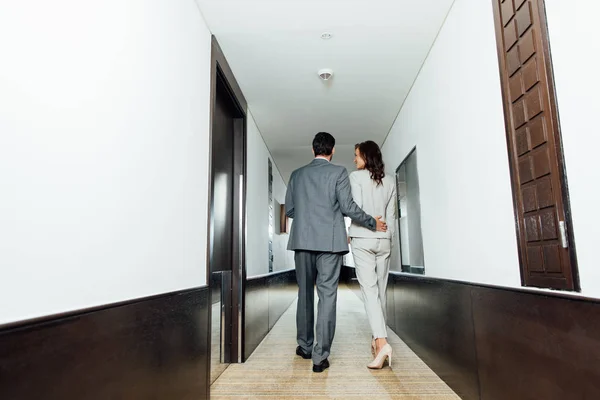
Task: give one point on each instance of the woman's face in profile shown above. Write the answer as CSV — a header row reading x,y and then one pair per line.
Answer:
x,y
358,160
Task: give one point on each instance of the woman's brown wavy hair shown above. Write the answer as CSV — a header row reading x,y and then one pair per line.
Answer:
x,y
371,154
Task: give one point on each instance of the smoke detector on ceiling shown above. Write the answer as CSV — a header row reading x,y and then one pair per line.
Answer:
x,y
325,74
326,35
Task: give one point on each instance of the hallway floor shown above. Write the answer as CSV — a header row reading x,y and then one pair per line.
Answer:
x,y
275,372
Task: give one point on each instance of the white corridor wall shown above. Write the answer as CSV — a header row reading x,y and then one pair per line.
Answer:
x,y
104,121
575,47
454,117
257,206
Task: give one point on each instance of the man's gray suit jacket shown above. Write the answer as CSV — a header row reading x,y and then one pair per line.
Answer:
x,y
318,197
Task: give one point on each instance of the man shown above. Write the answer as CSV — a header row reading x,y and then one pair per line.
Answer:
x,y
318,198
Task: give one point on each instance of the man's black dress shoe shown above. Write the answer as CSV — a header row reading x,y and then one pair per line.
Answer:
x,y
321,366
302,353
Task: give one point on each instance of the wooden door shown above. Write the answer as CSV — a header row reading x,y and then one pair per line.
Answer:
x,y
546,250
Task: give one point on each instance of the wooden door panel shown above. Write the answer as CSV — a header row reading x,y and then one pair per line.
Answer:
x,y
537,132
527,46
519,113
519,3
513,60
523,19
534,144
508,11
530,75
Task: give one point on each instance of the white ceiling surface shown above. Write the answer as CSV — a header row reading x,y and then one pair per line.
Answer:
x,y
274,48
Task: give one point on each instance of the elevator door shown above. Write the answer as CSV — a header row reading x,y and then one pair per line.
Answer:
x,y
222,221
222,159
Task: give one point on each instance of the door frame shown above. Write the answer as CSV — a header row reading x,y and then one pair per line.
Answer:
x,y
220,70
398,215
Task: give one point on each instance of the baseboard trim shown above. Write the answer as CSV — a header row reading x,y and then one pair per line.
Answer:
x,y
52,318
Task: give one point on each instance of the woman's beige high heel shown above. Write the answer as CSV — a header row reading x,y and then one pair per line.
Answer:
x,y
385,352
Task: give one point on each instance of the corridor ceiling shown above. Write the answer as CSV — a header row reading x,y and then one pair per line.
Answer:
x,y
275,50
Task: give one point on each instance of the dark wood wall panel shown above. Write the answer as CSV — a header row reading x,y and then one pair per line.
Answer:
x,y
532,346
267,298
434,320
257,314
283,290
391,306
496,343
398,305
155,348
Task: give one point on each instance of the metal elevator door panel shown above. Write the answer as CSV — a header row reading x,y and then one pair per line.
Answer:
x,y
222,222
222,202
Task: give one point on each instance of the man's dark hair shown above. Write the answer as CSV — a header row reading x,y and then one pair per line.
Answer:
x,y
323,144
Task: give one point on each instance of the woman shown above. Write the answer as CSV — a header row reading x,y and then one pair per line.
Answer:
x,y
375,193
